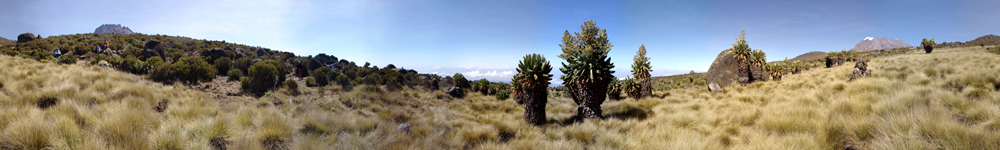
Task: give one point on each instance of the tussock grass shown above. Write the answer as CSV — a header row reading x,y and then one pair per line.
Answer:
x,y
945,100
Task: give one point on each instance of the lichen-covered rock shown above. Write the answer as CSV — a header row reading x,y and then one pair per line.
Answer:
x,y
723,70
405,128
153,48
216,53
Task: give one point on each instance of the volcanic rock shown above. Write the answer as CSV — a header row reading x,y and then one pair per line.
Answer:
x,y
25,37
723,70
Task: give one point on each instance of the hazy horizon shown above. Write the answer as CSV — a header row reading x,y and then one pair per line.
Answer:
x,y
484,39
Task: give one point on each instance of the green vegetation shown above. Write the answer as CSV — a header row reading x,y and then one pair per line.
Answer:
x,y
192,69
322,76
928,44
460,81
234,74
632,88
222,65
262,76
640,71
741,51
533,77
589,68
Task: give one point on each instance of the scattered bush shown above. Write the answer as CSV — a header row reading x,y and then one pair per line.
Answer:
x,y
262,76
193,69
344,81
223,65
67,59
243,64
322,76
311,82
234,74
928,44
293,86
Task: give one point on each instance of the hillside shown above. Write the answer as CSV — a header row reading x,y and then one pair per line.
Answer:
x,y
113,28
4,41
808,56
870,43
986,40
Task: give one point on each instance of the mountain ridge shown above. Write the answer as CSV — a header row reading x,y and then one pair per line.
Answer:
x,y
871,43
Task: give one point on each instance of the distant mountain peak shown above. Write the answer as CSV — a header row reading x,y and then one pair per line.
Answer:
x,y
872,43
113,28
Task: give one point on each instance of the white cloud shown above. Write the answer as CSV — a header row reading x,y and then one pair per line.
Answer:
x,y
495,74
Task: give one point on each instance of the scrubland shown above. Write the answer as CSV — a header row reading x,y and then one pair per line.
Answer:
x,y
948,99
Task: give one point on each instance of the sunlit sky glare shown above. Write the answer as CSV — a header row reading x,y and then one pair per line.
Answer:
x,y
485,39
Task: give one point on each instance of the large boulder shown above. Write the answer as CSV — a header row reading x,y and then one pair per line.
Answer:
x,y
215,53
325,59
456,92
723,70
153,48
25,37
261,51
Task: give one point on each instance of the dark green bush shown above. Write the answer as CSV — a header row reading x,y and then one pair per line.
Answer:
x,y
234,74
262,76
132,65
343,81
322,76
67,59
243,64
193,69
161,73
223,64
154,62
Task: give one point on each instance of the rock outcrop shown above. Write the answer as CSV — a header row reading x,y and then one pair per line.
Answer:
x,y
215,53
860,70
113,28
456,92
25,37
153,48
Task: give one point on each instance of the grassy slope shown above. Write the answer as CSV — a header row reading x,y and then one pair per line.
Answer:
x,y
947,100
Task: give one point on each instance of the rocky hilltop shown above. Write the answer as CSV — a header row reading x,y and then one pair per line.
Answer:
x,y
113,28
870,43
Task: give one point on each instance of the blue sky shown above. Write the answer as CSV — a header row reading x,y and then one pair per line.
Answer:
x,y
485,39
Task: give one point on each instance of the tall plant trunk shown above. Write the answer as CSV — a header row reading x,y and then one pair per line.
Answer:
x,y
928,49
534,108
592,94
743,71
646,89
757,73
776,78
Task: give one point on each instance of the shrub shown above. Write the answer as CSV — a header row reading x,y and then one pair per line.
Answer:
x,y
133,65
193,69
243,64
343,81
234,74
293,86
154,62
533,77
322,76
223,64
261,76
589,68
67,59
161,73
503,94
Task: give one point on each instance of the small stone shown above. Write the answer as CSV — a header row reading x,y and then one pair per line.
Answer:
x,y
405,128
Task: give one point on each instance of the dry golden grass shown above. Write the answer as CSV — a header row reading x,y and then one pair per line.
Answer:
x,y
945,100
